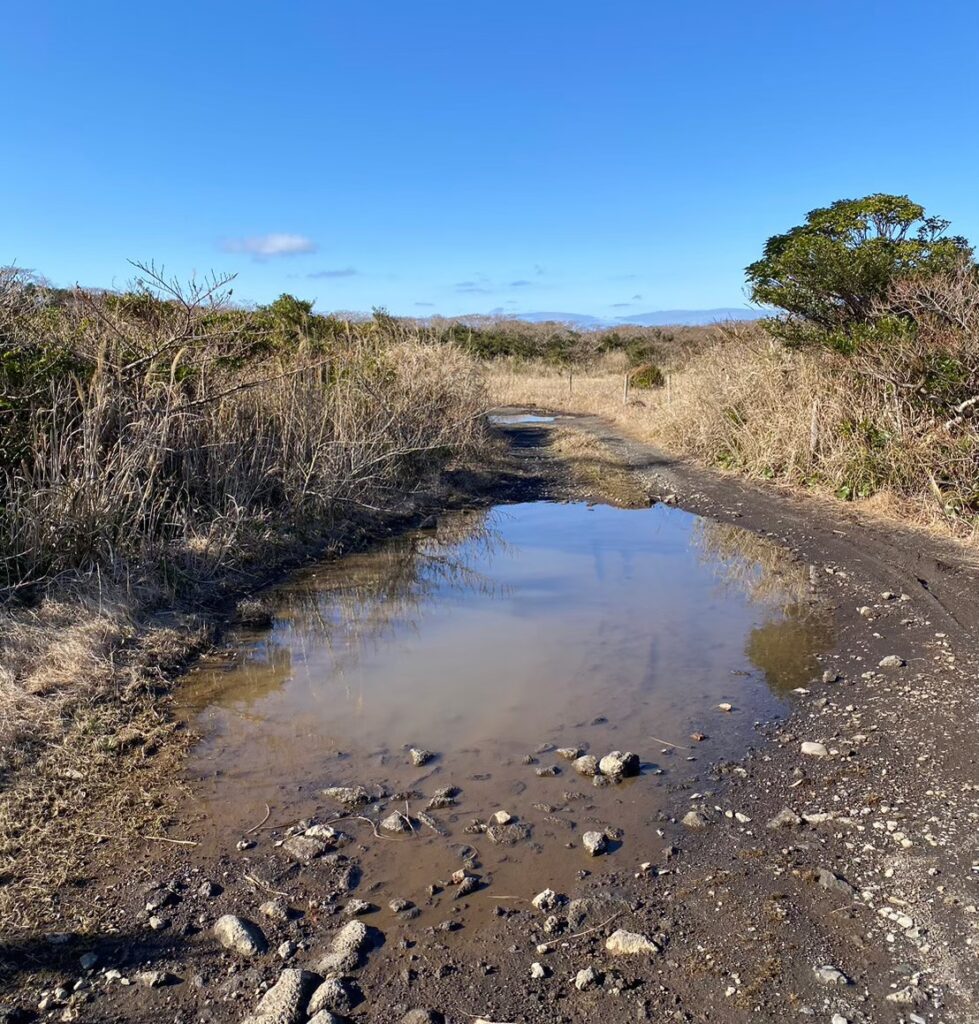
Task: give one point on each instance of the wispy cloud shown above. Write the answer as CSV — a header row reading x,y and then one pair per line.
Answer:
x,y
521,284
264,247
472,288
425,305
621,305
341,272
636,298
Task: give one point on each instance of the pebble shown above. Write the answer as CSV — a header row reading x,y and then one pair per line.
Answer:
x,y
240,936
616,763
419,756
547,900
283,1002
502,817
695,820
587,764
335,994
891,661
813,749
586,979
396,822
347,949
569,753
623,943
594,843
786,818
349,796
829,975
538,970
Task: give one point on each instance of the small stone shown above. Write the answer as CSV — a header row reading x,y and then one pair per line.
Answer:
x,y
275,910
399,905
813,749
623,943
335,995
569,753
548,771
587,979
88,960
396,822
155,979
284,1001
538,971
725,707
356,907
347,949
547,900
349,796
587,764
304,848
828,880
830,676
616,763
287,950
829,975
786,818
891,661
421,1017
695,820
419,756
502,817
594,843
240,936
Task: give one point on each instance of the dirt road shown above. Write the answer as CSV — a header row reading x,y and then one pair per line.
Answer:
x,y
832,874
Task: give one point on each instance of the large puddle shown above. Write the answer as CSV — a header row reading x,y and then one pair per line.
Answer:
x,y
489,638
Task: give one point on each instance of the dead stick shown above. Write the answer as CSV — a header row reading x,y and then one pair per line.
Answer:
x,y
677,746
255,828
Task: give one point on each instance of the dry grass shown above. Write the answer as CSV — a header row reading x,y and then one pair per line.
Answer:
x,y
810,418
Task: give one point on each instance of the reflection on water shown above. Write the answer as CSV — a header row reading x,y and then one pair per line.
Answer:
x,y
498,630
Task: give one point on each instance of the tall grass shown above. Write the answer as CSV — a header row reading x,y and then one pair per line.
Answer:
x,y
167,444
892,423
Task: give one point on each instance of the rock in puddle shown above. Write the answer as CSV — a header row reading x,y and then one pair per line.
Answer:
x,y
587,764
594,843
349,796
508,835
397,822
240,936
617,764
569,753
285,1001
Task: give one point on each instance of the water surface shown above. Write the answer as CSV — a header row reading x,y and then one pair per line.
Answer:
x,y
484,640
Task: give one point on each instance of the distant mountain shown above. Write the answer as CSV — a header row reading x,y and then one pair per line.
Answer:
x,y
691,317
657,318
576,319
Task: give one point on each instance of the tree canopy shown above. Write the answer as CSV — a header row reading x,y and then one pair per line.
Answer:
x,y
828,274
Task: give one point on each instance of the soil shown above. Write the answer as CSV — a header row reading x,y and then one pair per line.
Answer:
x,y
841,886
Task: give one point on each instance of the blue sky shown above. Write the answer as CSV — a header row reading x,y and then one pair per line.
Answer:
x,y
461,157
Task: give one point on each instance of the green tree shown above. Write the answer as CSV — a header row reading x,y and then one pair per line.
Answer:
x,y
828,274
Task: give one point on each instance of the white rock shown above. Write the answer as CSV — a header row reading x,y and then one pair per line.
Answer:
x,y
595,843
623,943
891,661
587,764
502,817
241,936
538,970
812,749
616,763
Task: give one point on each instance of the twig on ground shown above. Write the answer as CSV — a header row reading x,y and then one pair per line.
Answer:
x,y
255,828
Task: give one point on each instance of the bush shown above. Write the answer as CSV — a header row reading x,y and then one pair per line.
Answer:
x,y
646,377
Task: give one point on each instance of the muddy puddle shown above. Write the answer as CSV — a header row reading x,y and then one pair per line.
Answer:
x,y
491,639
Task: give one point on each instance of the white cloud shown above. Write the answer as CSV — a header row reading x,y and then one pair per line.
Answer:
x,y
266,246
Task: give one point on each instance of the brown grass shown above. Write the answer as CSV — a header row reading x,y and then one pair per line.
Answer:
x,y
810,418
